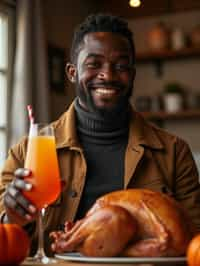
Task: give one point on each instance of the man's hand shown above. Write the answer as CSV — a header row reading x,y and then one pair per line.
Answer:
x,y
19,209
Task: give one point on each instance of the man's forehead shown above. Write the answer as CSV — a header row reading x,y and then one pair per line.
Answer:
x,y
100,40
104,44
101,36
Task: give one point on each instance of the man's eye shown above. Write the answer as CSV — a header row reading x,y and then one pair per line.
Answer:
x,y
93,64
122,67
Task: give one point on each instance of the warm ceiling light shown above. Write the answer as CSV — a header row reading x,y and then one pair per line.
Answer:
x,y
134,3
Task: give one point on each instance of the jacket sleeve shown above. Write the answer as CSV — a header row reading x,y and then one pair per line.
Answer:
x,y
187,187
14,160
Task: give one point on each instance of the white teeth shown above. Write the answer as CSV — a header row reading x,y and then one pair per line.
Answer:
x,y
105,91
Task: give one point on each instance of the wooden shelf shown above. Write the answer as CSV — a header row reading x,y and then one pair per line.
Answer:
x,y
168,54
158,57
162,115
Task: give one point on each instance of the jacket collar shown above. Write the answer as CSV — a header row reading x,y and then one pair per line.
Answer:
x,y
140,133
65,129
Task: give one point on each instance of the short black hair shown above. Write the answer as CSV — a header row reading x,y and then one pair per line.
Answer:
x,y
100,23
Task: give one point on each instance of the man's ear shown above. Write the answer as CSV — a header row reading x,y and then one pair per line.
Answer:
x,y
70,70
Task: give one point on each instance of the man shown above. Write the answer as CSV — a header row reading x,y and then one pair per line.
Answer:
x,y
102,143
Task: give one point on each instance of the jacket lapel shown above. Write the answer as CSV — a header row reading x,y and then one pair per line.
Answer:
x,y
65,130
141,135
132,159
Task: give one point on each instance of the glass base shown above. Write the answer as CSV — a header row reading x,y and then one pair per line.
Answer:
x,y
39,260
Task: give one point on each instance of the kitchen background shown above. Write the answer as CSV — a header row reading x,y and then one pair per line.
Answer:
x,y
181,20
167,38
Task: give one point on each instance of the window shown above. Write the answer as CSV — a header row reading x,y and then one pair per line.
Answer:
x,y
6,43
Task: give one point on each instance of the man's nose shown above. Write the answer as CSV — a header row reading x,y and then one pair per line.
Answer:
x,y
107,73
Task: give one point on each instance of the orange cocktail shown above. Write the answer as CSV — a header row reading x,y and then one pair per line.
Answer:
x,y
41,159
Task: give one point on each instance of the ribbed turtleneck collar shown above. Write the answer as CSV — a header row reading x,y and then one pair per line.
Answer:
x,y
99,129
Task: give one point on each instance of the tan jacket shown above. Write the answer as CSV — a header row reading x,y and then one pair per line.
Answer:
x,y
154,159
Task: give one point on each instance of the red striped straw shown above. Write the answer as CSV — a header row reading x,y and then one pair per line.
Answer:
x,y
30,114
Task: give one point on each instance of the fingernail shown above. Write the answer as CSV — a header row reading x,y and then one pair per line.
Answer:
x,y
26,172
28,186
32,209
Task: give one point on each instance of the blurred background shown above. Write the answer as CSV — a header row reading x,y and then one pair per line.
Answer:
x,y
35,39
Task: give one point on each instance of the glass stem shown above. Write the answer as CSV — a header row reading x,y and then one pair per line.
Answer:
x,y
40,252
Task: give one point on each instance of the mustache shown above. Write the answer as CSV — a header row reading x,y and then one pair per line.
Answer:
x,y
111,84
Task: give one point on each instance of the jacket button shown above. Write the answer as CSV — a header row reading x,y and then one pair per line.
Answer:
x,y
73,194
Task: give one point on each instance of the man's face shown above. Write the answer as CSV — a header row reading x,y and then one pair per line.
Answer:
x,y
104,72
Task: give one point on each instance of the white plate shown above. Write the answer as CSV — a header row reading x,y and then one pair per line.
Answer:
x,y
155,260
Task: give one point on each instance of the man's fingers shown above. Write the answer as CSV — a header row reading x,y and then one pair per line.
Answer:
x,y
12,204
20,206
22,184
19,199
9,201
26,204
19,181
13,191
22,172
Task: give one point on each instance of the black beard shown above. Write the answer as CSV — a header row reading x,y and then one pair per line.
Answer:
x,y
107,113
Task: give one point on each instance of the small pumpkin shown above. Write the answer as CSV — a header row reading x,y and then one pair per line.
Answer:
x,y
14,244
193,251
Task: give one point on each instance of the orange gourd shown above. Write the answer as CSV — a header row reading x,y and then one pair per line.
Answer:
x,y
14,244
193,251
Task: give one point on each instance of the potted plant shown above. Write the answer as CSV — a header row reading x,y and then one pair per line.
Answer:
x,y
173,97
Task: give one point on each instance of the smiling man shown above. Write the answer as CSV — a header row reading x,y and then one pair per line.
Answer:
x,y
104,72
103,144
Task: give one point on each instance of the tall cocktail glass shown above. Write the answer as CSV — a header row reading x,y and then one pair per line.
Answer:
x,y
41,159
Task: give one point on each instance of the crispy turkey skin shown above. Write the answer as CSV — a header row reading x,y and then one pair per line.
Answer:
x,y
132,222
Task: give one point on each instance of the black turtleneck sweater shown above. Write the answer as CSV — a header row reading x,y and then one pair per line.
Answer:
x,y
104,143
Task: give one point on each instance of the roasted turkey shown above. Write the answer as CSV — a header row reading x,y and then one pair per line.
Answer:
x,y
132,222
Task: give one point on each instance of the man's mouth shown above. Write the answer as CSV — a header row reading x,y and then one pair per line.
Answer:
x,y
106,91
